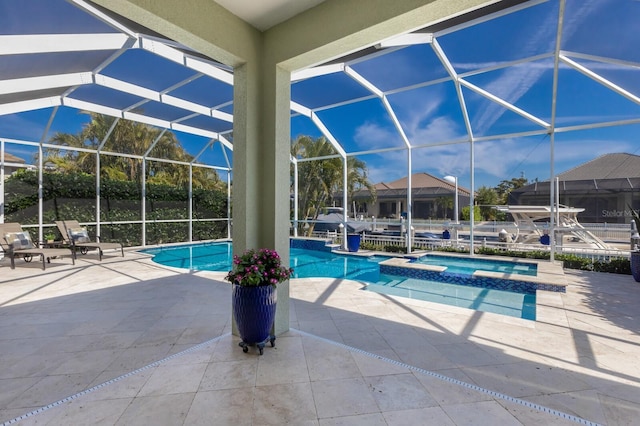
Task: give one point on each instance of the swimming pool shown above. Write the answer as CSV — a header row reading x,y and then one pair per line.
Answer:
x,y
467,266
218,256
306,263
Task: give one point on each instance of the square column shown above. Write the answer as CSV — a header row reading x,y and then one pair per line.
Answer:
x,y
261,167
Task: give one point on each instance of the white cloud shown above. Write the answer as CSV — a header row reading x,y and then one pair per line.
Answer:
x,y
416,114
421,126
370,135
513,83
424,120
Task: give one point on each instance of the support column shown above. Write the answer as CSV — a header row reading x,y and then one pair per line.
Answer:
x,y
261,167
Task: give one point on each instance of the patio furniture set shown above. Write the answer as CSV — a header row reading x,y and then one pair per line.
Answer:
x,y
17,243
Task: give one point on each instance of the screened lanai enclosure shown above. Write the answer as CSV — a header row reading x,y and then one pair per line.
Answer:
x,y
107,122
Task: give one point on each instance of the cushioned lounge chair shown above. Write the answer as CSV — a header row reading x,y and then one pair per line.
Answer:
x,y
78,239
17,243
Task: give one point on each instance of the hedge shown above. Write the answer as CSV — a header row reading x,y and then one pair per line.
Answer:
x,y
73,196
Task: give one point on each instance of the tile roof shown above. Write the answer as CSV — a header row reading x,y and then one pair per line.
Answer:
x,y
421,180
12,158
608,166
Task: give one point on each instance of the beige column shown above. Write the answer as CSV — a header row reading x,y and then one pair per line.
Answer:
x,y
262,62
261,167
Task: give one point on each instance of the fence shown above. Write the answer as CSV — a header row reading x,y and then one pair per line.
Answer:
x,y
608,232
423,243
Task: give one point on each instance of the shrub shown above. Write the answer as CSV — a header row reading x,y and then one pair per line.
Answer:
x,y
73,196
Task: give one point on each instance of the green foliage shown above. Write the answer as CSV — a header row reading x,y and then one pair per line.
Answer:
x,y
618,265
505,187
395,249
450,249
319,180
486,198
534,254
571,261
466,215
73,196
365,245
258,268
128,137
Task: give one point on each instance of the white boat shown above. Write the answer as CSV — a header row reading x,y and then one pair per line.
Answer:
x,y
331,219
532,224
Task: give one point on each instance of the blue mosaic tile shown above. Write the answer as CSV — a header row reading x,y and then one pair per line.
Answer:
x,y
318,245
468,280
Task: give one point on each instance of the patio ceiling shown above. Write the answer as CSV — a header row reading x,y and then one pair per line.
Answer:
x,y
58,54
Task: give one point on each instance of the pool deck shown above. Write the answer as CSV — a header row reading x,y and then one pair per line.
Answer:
x,y
127,341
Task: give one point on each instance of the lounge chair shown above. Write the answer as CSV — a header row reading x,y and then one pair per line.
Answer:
x,y
77,237
17,243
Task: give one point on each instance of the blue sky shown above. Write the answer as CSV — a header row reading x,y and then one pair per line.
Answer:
x,y
431,115
599,35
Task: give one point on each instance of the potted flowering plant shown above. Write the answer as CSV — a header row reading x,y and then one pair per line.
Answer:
x,y
258,268
254,277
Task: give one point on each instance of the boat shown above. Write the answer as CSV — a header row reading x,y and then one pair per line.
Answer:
x,y
532,226
332,217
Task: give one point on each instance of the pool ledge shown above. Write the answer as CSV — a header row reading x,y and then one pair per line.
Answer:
x,y
550,277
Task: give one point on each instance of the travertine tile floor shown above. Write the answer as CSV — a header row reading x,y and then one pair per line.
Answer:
x,y
128,342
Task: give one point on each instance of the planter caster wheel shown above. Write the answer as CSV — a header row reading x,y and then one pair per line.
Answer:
x,y
245,346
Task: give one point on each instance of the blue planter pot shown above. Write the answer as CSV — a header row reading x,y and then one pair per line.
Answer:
x,y
635,265
254,310
353,242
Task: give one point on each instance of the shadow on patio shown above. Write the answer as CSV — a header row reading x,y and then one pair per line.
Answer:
x,y
350,355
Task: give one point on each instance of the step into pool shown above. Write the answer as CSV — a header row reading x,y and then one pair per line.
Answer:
x,y
465,265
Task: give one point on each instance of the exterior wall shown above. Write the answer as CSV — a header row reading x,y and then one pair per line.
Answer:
x,y
423,207
605,206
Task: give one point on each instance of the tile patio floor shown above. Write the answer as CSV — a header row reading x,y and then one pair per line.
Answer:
x,y
129,342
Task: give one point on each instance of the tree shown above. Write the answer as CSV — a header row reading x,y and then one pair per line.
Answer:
x,y
444,203
486,198
505,187
466,213
320,179
128,137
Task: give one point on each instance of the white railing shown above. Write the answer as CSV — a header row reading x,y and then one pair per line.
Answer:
x,y
421,243
609,232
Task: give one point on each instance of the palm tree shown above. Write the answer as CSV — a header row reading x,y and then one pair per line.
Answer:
x,y
445,203
319,180
70,160
128,137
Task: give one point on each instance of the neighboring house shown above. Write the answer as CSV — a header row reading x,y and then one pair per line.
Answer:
x,y
604,187
432,198
12,164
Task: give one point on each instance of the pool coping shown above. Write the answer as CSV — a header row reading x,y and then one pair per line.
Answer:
x,y
550,276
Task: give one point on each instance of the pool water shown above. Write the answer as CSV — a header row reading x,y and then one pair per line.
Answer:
x,y
195,257
312,263
519,305
466,266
